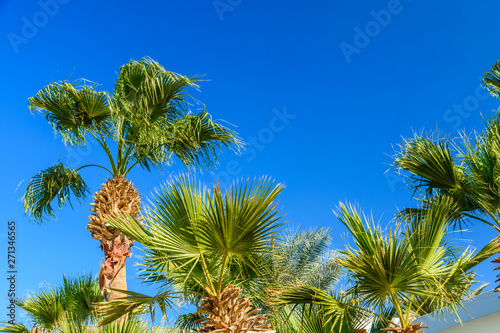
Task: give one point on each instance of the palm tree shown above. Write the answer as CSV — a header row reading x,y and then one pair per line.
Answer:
x,y
465,169
71,308
49,306
295,258
411,269
145,121
206,245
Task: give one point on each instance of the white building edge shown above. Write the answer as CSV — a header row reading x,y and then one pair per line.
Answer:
x,y
483,316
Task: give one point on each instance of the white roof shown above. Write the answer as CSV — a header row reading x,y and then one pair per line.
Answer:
x,y
482,305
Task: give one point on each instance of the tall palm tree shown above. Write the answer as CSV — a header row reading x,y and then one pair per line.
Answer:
x,y
143,123
465,169
411,269
207,245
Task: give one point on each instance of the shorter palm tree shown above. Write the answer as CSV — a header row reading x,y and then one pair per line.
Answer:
x,y
411,269
50,306
296,257
71,308
465,169
206,244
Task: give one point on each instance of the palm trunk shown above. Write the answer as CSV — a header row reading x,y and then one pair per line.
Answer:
x,y
228,313
117,197
119,282
411,328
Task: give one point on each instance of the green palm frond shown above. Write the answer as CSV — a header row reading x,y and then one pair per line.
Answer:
x,y
193,237
55,182
145,89
81,293
491,80
339,311
466,170
135,303
430,163
13,328
69,325
49,306
194,139
72,109
303,257
45,308
188,322
412,266
465,208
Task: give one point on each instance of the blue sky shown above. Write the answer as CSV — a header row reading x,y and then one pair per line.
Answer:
x,y
321,90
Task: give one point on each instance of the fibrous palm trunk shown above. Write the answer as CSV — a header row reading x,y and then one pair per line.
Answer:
x,y
117,196
228,314
412,328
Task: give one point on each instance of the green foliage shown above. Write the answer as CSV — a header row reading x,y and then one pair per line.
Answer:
x,y
198,240
491,80
135,303
333,312
411,267
14,328
50,306
147,119
68,325
73,308
72,109
465,169
81,295
55,182
304,258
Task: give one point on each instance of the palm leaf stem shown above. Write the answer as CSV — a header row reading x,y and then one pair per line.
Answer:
x,y
94,165
108,152
398,308
495,218
120,146
222,267
106,149
207,273
496,227
125,159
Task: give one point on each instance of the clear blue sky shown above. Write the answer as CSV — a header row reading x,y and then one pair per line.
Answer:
x,y
321,91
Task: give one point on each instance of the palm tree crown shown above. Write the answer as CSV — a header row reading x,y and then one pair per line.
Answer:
x,y
147,117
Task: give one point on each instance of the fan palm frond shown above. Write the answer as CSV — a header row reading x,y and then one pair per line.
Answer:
x,y
45,308
81,293
412,267
72,109
191,234
13,328
136,303
491,80
55,182
430,163
339,311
